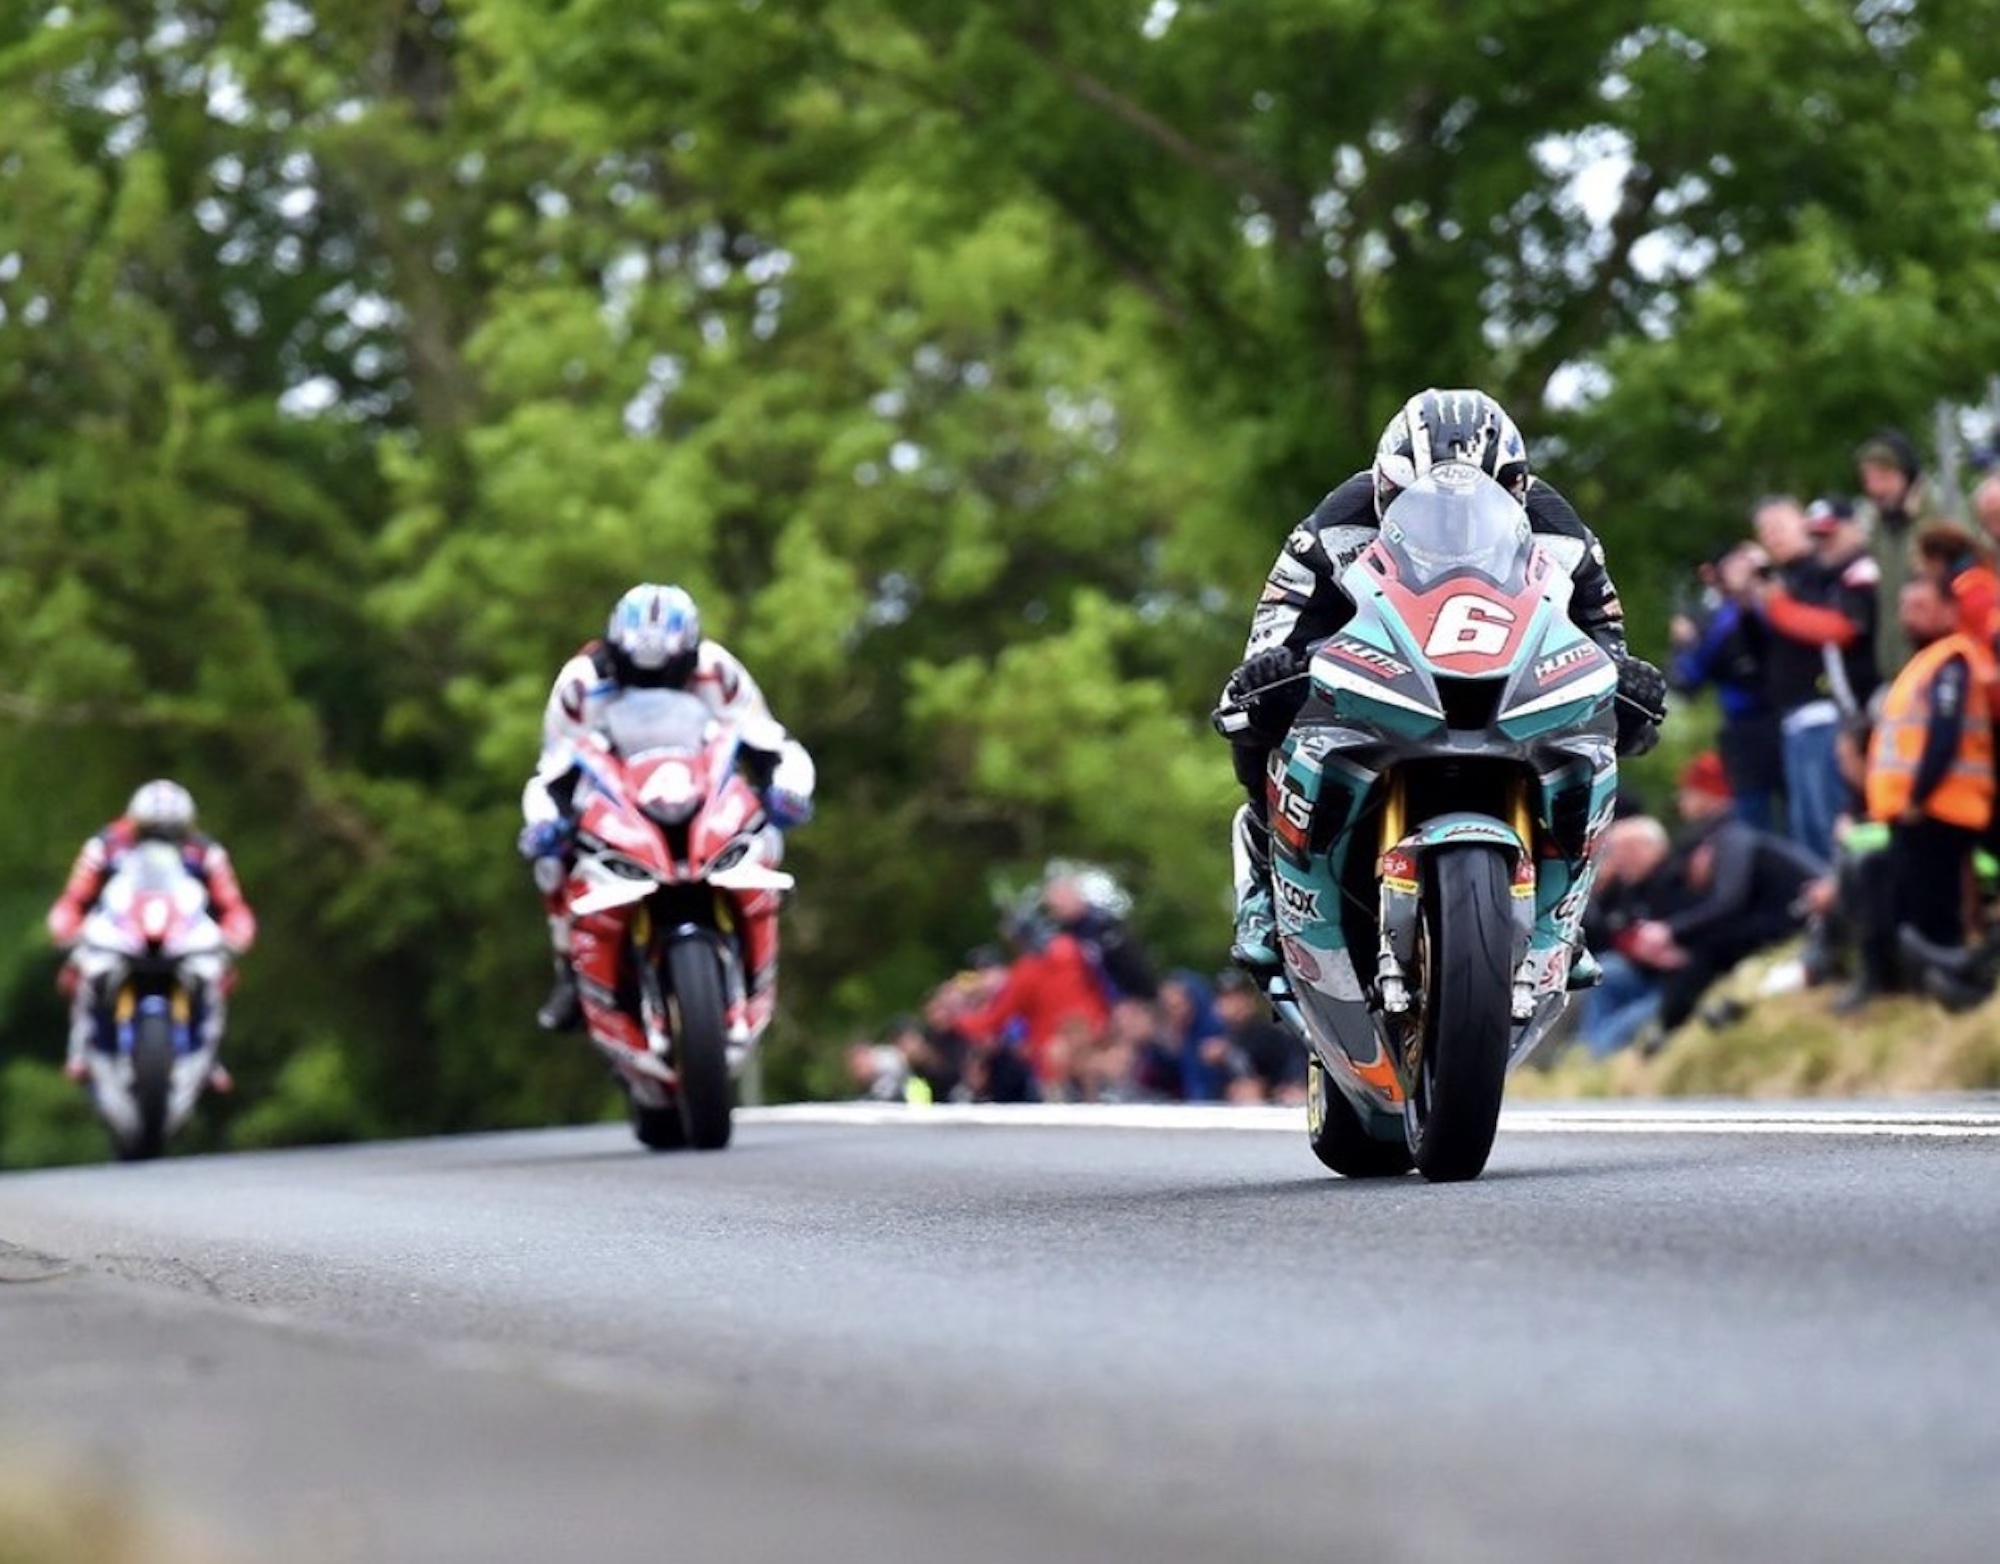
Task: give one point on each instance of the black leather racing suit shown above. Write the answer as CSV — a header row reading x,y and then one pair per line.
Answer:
x,y
1303,602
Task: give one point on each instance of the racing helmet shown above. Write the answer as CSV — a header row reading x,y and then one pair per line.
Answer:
x,y
162,811
1442,426
654,637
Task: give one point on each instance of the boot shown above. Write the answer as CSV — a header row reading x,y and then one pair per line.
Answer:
x,y
561,1011
1255,947
82,1029
1584,970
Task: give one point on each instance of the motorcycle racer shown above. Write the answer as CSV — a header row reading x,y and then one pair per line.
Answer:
x,y
653,640
1303,603
159,811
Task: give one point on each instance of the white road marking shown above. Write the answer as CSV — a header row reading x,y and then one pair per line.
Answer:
x,y
1620,1119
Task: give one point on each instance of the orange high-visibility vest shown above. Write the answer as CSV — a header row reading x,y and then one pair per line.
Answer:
x,y
1965,796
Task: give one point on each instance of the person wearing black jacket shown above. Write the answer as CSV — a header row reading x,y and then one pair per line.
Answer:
x,y
1303,603
1738,891
1819,613
1725,648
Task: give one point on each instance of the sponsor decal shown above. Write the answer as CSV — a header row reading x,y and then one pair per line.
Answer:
x,y
1460,828
1289,814
1299,957
1362,655
1553,667
1300,902
1399,871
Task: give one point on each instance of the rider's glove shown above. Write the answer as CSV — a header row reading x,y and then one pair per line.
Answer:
x,y
786,808
1268,688
1642,705
543,839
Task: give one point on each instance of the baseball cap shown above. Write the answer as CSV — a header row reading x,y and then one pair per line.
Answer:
x,y
1828,512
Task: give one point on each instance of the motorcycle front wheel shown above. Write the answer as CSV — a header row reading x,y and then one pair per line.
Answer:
x,y
152,1085
699,1026
658,1129
1467,1023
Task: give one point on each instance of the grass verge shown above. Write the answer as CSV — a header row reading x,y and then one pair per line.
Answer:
x,y
1792,1045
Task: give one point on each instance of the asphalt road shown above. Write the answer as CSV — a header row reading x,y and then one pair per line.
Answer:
x,y
1649,1339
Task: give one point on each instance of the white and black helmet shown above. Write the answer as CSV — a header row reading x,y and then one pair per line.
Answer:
x,y
654,636
162,810
1449,426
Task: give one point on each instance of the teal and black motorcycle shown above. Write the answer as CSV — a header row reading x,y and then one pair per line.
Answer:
x,y
1434,812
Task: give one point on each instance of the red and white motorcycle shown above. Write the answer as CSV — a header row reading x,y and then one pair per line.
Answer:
x,y
154,963
675,878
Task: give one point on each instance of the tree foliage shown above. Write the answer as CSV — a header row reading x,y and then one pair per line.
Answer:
x,y
968,362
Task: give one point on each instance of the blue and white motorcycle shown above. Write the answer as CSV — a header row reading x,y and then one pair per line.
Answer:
x,y
1435,811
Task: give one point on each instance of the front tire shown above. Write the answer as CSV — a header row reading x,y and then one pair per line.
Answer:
x,y
1335,1133
152,1085
1468,981
699,1025
659,1129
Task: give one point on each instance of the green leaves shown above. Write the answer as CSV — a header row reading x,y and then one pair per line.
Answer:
x,y
968,362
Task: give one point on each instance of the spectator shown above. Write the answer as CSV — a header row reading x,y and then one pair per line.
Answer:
x,y
1052,993
1899,501
933,1060
1739,891
1726,649
1633,886
1135,1062
1276,1060
1962,560
1930,780
1986,508
993,1068
876,1071
1209,1065
1089,906
1820,659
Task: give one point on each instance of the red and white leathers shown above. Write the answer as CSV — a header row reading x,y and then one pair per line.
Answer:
x,y
206,859
584,692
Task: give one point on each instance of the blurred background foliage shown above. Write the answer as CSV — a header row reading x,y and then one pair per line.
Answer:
x,y
969,361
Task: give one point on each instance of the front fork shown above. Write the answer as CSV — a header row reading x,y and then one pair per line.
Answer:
x,y
1399,852
653,1011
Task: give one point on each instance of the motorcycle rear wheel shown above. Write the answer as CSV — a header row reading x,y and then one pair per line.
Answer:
x,y
152,1086
1335,1133
699,1024
1454,1110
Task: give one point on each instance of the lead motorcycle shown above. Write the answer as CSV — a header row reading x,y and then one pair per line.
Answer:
x,y
1434,812
155,963
673,858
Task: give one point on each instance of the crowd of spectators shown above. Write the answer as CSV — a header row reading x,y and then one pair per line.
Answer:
x,y
1850,643
1070,1008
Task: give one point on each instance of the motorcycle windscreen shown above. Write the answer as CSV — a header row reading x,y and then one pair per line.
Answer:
x,y
644,722
1456,521
155,868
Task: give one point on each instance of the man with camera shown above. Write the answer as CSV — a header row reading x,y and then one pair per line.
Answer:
x,y
1819,615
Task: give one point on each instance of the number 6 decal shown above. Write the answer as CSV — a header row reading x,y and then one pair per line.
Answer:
x,y
1470,623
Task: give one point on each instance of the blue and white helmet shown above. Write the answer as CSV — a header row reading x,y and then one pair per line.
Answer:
x,y
1449,426
162,810
655,635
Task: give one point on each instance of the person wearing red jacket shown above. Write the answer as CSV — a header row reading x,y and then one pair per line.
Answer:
x,y
160,811
1053,993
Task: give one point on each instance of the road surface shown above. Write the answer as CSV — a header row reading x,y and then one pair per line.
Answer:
x,y
891,1335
